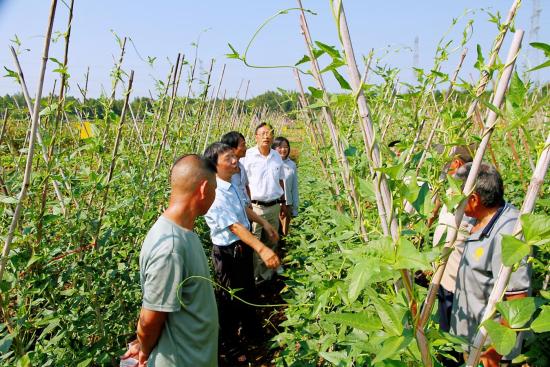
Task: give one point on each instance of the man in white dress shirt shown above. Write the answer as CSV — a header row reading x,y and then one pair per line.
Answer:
x,y
264,168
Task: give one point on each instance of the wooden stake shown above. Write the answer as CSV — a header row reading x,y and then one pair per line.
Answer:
x,y
347,179
45,154
30,153
113,158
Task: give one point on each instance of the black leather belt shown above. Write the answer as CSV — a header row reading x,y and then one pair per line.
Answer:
x,y
265,203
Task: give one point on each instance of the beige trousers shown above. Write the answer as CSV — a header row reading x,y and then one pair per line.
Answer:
x,y
270,214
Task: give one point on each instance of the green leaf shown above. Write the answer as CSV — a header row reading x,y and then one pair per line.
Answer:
x,y
409,257
302,60
343,82
513,250
5,343
391,319
330,50
49,110
366,189
351,151
535,227
234,54
392,347
85,362
360,276
492,107
393,171
480,63
24,361
336,358
8,200
541,66
318,104
503,338
390,363
335,64
11,74
542,322
51,326
517,312
517,90
316,93
361,320
545,47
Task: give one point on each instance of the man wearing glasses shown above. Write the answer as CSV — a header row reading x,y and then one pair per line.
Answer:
x,y
264,168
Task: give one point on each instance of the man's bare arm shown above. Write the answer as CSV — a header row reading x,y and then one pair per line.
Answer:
x,y
267,255
149,327
254,217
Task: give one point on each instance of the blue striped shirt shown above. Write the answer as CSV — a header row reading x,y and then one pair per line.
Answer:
x,y
228,208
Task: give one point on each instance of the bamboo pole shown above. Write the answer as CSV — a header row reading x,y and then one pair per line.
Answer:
x,y
484,79
158,113
84,91
204,95
468,189
438,121
207,137
61,97
138,132
30,153
347,179
44,150
3,185
4,124
316,144
117,71
383,194
420,113
168,116
114,157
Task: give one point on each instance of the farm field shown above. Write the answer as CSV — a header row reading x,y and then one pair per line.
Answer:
x,y
83,178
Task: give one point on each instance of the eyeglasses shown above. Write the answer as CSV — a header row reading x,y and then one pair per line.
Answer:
x,y
267,134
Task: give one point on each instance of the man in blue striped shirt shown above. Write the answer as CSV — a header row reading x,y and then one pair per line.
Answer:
x,y
233,246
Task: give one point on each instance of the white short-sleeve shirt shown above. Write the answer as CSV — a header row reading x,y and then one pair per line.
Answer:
x,y
264,174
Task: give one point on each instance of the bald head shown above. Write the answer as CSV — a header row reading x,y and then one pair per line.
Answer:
x,y
189,172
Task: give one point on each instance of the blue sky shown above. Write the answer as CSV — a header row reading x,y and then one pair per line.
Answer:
x,y
161,29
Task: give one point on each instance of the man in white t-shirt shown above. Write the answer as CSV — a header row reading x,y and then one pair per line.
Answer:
x,y
264,168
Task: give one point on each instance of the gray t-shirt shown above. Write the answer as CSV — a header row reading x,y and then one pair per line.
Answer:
x,y
169,256
478,270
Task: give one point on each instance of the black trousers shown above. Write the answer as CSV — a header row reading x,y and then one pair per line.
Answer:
x,y
233,268
444,308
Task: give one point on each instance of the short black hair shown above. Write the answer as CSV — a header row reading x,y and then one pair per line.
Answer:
x,y
488,186
464,153
262,125
232,139
278,141
214,150
393,143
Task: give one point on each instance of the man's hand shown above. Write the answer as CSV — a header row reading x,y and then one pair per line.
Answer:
x,y
284,211
271,232
490,358
134,349
270,258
